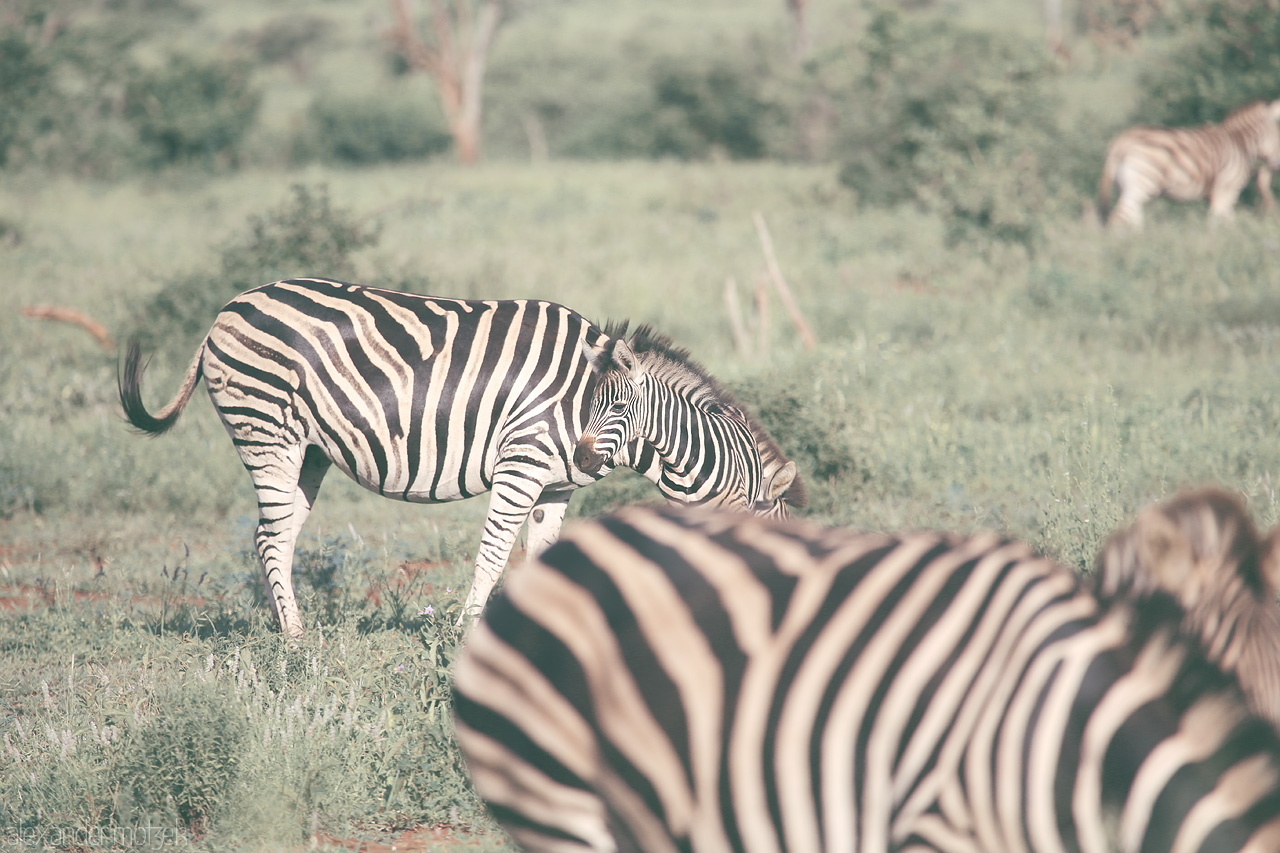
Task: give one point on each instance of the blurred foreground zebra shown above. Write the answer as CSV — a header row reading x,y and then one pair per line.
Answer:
x,y
1212,161
416,398
1204,550
650,389
662,680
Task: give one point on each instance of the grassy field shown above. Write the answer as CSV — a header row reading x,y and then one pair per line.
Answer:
x,y
1046,396
964,388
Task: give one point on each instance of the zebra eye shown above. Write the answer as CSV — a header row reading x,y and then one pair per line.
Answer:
x,y
618,406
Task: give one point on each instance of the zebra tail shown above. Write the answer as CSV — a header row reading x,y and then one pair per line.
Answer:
x,y
130,386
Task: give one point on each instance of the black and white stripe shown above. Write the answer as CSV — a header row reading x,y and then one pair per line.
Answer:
x,y
1203,549
666,680
416,398
713,452
1213,161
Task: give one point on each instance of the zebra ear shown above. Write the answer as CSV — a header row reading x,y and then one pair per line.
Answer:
x,y
623,358
1166,553
780,481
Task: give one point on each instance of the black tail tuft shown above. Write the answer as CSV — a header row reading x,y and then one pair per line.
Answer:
x,y
129,383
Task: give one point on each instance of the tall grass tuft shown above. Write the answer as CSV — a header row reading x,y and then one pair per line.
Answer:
x,y
178,768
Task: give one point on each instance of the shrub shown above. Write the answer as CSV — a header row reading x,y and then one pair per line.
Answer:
x,y
303,237
23,78
361,130
190,110
700,107
182,762
954,121
690,107
284,40
805,412
1231,56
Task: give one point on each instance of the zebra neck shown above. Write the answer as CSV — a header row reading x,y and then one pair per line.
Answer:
x,y
640,457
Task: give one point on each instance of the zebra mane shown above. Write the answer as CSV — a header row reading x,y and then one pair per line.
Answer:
x,y
1215,525
675,365
1248,123
1251,107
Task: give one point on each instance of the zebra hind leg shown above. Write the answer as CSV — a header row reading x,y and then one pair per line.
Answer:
x,y
545,521
286,485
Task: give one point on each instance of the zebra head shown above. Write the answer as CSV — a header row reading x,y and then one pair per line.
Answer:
x,y
713,452
1203,549
616,406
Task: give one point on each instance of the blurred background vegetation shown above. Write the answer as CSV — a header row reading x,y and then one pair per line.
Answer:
x,y
986,356
988,114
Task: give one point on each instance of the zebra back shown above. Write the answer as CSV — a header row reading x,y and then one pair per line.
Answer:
x,y
1211,161
663,680
1203,549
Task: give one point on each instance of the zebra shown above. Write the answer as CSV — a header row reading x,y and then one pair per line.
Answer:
x,y
1202,548
654,391
686,679
416,398
1188,163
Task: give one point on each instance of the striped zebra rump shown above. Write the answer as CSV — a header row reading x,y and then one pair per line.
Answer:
x,y
416,398
1203,549
666,680
1213,161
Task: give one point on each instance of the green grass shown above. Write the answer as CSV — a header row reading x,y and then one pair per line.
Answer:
x,y
961,388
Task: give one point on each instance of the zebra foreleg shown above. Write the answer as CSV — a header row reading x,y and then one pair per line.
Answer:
x,y
282,510
512,499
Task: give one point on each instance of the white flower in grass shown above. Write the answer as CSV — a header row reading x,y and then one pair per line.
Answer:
x,y
427,611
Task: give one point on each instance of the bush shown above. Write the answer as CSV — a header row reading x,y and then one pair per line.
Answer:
x,y
954,121
304,237
700,107
1231,56
360,130
810,418
23,79
692,107
182,762
191,111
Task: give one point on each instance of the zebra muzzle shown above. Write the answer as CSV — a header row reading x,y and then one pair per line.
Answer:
x,y
585,456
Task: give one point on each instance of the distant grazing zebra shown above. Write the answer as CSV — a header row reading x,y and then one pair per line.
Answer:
x,y
667,680
654,391
1188,163
1204,550
416,398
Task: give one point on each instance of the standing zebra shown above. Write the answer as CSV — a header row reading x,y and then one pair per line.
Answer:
x,y
1188,163
416,398
1203,549
667,680
653,391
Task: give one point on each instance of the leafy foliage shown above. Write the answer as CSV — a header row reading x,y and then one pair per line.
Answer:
x,y
1230,56
24,76
811,420
191,110
306,236
362,130
955,121
182,763
702,106
64,69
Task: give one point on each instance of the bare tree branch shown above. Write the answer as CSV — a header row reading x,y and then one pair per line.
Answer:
x,y
456,60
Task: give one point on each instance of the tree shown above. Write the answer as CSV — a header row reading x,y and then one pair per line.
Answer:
x,y
456,58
